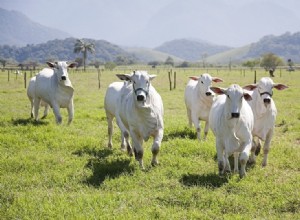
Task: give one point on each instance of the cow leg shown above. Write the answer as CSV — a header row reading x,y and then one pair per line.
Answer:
x,y
109,118
137,143
156,146
37,102
70,112
189,115
46,111
267,147
206,129
244,157
227,164
236,162
196,123
220,156
31,111
124,136
56,112
252,158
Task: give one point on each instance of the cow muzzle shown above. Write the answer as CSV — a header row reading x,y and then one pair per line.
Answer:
x,y
267,100
235,115
141,94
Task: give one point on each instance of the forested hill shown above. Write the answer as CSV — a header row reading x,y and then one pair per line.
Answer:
x,y
191,50
17,29
286,46
62,50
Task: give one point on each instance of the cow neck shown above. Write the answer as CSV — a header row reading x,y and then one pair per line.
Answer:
x,y
259,107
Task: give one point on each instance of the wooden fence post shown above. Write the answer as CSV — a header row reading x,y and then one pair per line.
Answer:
x,y
174,80
99,76
25,78
170,79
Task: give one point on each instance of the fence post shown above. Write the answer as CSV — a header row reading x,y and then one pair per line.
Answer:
x,y
174,80
170,79
99,75
25,78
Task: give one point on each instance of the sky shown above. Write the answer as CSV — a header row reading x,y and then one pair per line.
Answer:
x,y
149,23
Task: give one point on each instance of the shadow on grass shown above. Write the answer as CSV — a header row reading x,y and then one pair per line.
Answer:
x,y
106,169
206,180
24,122
93,152
104,165
180,133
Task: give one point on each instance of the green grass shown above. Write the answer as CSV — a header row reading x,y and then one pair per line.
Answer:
x,y
67,172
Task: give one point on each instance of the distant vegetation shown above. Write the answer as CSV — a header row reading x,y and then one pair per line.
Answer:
x,y
191,50
62,50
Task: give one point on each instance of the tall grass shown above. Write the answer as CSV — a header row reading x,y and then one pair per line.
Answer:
x,y
67,172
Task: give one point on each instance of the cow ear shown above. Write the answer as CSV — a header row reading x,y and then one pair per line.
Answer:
x,y
250,87
125,77
247,96
51,65
194,78
151,77
280,86
218,90
73,64
216,79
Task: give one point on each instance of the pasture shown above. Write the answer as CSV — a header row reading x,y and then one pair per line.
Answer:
x,y
67,172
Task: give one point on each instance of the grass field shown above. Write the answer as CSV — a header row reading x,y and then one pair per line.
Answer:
x,y
67,172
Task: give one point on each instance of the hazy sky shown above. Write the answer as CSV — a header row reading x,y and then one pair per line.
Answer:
x,y
149,23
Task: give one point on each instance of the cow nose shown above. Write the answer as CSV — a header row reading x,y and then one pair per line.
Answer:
x,y
208,93
267,101
63,78
235,115
140,98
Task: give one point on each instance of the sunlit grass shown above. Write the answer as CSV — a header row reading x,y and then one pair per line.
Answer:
x,y
67,172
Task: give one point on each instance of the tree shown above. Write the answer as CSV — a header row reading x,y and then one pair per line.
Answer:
x,y
270,61
290,64
251,63
84,47
110,65
184,64
3,62
169,61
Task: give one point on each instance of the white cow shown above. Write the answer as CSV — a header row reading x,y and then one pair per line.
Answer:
x,y
31,94
231,121
140,112
264,111
198,100
55,88
114,93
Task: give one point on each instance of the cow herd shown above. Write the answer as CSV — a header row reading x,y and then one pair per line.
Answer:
x,y
240,118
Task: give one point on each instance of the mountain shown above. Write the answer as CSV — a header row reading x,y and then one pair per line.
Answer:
x,y
190,50
63,50
287,46
17,29
147,55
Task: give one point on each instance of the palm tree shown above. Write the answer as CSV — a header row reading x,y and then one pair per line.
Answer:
x,y
83,47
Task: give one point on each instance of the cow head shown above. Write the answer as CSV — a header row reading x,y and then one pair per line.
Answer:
x,y
205,82
264,88
235,96
61,70
140,84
